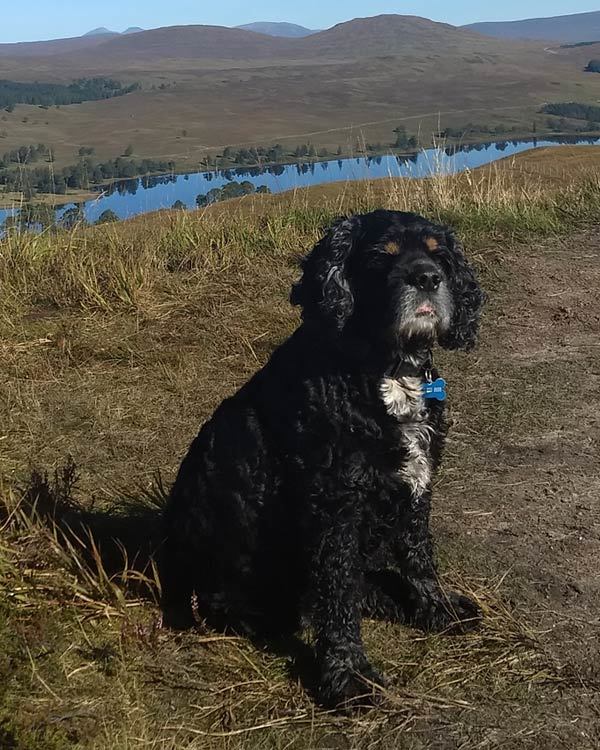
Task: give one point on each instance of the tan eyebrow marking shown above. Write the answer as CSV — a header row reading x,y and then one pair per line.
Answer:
x,y
393,248
432,243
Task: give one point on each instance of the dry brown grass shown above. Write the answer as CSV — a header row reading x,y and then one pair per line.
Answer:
x,y
104,669
554,164
116,342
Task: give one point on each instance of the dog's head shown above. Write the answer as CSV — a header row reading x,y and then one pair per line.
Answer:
x,y
389,278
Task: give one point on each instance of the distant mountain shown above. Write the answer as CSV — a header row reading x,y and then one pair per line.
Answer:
x,y
360,38
100,31
289,30
578,27
103,31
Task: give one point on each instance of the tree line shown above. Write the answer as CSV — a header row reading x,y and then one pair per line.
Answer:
x,y
272,154
81,176
577,44
26,155
258,155
89,172
49,94
574,110
471,128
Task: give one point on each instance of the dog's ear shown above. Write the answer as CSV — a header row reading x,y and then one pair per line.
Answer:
x,y
468,298
324,291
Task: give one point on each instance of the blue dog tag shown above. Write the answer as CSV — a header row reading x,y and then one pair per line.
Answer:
x,y
437,389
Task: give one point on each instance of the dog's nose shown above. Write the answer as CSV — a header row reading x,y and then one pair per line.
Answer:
x,y
427,279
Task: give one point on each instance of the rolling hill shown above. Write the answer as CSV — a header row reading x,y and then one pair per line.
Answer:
x,y
578,27
183,43
360,38
390,34
288,30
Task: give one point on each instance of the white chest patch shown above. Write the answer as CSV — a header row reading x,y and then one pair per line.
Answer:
x,y
404,401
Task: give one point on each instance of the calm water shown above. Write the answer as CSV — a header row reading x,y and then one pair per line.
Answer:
x,y
131,197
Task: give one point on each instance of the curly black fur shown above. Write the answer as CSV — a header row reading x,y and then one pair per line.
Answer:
x,y
306,497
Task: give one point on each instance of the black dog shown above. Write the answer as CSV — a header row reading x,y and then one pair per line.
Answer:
x,y
306,497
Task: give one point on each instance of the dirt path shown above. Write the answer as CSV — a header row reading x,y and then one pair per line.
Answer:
x,y
527,490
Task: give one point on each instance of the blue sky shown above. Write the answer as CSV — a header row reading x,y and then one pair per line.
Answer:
x,y
39,19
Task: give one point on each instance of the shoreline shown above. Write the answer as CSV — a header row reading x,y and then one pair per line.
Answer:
x,y
16,200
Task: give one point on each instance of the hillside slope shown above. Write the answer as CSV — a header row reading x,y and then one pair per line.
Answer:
x,y
578,27
362,37
185,43
53,47
389,34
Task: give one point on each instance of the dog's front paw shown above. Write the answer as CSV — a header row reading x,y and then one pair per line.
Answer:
x,y
449,612
465,613
344,687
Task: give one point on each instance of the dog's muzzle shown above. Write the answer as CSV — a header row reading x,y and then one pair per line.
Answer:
x,y
426,309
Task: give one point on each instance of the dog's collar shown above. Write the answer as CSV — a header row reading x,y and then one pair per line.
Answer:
x,y
403,367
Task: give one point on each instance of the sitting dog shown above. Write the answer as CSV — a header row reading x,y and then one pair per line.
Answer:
x,y
306,497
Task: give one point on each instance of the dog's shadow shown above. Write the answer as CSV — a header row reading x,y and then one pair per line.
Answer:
x,y
116,545
120,545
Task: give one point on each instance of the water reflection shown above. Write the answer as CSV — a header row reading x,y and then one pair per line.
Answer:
x,y
130,197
